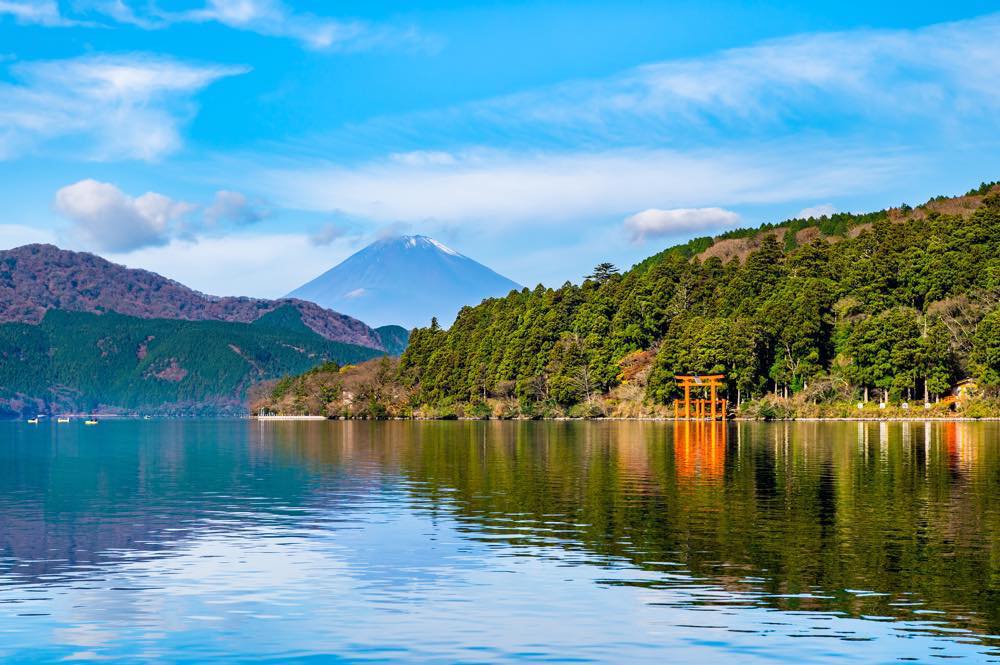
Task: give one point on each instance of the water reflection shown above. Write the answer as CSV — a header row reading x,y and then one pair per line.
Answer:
x,y
712,537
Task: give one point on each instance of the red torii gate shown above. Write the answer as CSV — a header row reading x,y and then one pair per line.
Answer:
x,y
712,382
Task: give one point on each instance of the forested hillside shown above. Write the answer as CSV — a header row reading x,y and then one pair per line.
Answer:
x,y
37,278
900,304
75,362
394,339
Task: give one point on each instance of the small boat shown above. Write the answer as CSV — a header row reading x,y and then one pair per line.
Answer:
x,y
32,421
90,421
62,420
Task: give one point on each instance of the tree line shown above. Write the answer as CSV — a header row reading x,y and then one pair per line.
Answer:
x,y
898,305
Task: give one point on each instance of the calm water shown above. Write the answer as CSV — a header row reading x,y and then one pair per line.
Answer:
x,y
449,541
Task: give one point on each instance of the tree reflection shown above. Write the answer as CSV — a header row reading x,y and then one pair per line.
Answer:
x,y
862,518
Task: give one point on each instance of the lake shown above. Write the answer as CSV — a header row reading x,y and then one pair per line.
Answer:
x,y
205,541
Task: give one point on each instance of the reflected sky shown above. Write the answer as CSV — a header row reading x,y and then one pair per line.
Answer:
x,y
444,542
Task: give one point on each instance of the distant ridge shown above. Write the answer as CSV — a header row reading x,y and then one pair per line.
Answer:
x,y
79,334
37,278
81,362
405,280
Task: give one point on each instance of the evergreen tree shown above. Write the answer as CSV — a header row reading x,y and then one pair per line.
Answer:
x,y
603,272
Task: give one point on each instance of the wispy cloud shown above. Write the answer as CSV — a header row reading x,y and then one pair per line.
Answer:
x,y
553,189
263,265
271,18
865,86
783,120
825,81
274,18
39,12
103,107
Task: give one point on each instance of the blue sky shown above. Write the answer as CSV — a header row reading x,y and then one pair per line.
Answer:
x,y
244,146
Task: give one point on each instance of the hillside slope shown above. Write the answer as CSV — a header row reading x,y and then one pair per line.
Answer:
x,y
806,317
405,281
78,362
394,339
899,304
37,278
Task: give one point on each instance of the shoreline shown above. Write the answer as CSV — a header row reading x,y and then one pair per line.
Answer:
x,y
955,419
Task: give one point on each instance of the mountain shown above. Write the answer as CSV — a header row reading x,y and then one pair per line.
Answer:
x,y
81,334
805,318
79,362
405,281
37,278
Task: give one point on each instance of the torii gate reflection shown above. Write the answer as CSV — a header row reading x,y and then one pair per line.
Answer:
x,y
700,450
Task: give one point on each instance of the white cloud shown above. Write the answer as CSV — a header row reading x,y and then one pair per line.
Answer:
x,y
817,211
121,12
108,219
552,189
815,115
424,158
234,207
105,107
270,17
927,86
274,18
40,12
863,78
265,17
655,223
105,217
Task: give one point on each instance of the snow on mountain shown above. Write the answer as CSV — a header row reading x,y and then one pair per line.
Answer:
x,y
405,280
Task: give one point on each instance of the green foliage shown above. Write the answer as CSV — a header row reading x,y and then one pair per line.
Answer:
x,y
892,303
74,361
709,345
983,189
603,272
986,350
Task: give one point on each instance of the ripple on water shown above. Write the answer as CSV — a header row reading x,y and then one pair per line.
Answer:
x,y
572,541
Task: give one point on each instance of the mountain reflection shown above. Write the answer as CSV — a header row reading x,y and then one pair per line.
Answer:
x,y
866,519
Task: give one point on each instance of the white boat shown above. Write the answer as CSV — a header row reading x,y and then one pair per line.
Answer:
x,y
62,420
32,421
90,421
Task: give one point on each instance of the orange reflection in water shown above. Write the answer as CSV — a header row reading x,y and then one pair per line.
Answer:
x,y
700,450
963,444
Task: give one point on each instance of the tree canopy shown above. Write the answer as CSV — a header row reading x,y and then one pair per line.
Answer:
x,y
901,302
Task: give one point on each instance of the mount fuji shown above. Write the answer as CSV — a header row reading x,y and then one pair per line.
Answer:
x,y
404,280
